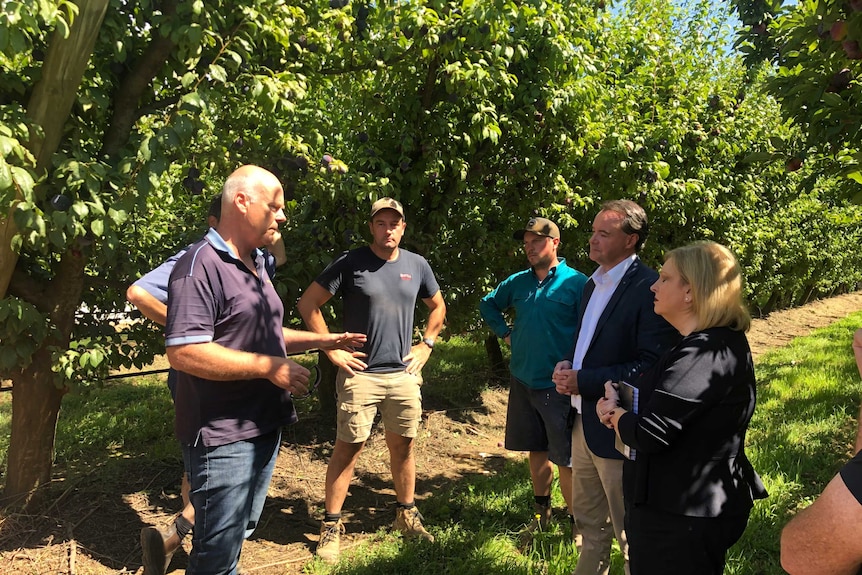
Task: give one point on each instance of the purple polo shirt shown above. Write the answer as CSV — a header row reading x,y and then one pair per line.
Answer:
x,y
214,297
155,281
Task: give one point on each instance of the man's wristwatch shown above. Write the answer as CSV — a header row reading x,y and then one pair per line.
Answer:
x,y
429,342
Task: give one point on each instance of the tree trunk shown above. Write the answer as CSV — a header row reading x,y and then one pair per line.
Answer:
x,y
49,106
326,389
35,408
127,98
35,397
499,369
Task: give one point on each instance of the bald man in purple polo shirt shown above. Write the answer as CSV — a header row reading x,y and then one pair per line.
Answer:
x,y
225,337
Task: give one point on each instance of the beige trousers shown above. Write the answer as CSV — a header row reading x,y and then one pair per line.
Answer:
x,y
597,504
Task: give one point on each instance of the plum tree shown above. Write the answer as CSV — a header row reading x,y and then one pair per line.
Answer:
x,y
811,46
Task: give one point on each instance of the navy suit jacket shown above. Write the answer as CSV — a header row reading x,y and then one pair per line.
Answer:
x,y
629,338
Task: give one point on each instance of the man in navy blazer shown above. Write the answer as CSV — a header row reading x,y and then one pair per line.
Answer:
x,y
619,337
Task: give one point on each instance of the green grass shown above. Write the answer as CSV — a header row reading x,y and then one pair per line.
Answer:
x,y
802,431
458,373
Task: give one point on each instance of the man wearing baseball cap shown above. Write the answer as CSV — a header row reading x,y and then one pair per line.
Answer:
x,y
379,284
545,298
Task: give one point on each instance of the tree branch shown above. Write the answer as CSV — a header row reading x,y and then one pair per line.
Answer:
x,y
128,96
29,290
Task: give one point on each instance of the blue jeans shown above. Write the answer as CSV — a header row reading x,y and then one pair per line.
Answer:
x,y
228,490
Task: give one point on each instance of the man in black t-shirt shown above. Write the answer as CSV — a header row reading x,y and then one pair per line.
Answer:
x,y
379,284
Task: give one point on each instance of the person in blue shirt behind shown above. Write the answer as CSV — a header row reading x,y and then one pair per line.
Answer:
x,y
545,299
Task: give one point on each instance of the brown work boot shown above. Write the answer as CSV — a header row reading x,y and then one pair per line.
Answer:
x,y
329,544
541,518
158,545
408,521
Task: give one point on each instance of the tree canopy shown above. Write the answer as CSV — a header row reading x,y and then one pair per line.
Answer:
x,y
809,53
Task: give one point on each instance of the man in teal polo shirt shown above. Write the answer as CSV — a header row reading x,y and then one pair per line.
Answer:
x,y
545,299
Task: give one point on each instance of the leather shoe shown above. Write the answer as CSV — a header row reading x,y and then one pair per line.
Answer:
x,y
158,546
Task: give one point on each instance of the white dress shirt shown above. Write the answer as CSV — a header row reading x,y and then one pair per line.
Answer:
x,y
606,283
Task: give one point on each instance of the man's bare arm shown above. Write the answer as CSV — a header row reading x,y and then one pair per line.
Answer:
x,y
824,538
419,353
314,297
857,351
859,431
297,340
218,363
149,306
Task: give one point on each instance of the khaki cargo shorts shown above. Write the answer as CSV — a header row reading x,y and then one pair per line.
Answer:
x,y
397,395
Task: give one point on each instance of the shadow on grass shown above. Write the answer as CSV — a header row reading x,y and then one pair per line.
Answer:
x,y
118,470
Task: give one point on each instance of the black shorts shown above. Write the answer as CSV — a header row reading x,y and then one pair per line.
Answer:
x,y
537,420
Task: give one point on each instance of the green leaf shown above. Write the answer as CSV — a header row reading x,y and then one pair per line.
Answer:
x,y
62,27
663,169
144,150
96,357
80,210
24,181
4,38
8,357
98,227
57,238
119,217
218,73
5,175
757,157
184,126
834,100
7,144
187,81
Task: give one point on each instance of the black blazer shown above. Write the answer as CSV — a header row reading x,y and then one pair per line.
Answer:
x,y
696,403
629,338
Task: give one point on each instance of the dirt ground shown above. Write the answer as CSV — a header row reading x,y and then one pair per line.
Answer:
x,y
91,528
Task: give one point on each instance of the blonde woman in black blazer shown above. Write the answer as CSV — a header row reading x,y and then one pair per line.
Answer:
x,y
690,488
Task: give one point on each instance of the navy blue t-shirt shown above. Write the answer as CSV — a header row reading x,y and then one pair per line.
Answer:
x,y
214,297
380,301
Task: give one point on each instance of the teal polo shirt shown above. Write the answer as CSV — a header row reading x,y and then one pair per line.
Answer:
x,y
546,320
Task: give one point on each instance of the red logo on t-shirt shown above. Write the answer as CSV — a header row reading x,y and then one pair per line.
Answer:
x,y
406,277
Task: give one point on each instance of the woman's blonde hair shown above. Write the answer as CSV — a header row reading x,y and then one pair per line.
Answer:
x,y
715,279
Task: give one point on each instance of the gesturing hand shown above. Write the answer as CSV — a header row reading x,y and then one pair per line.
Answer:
x,y
346,341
